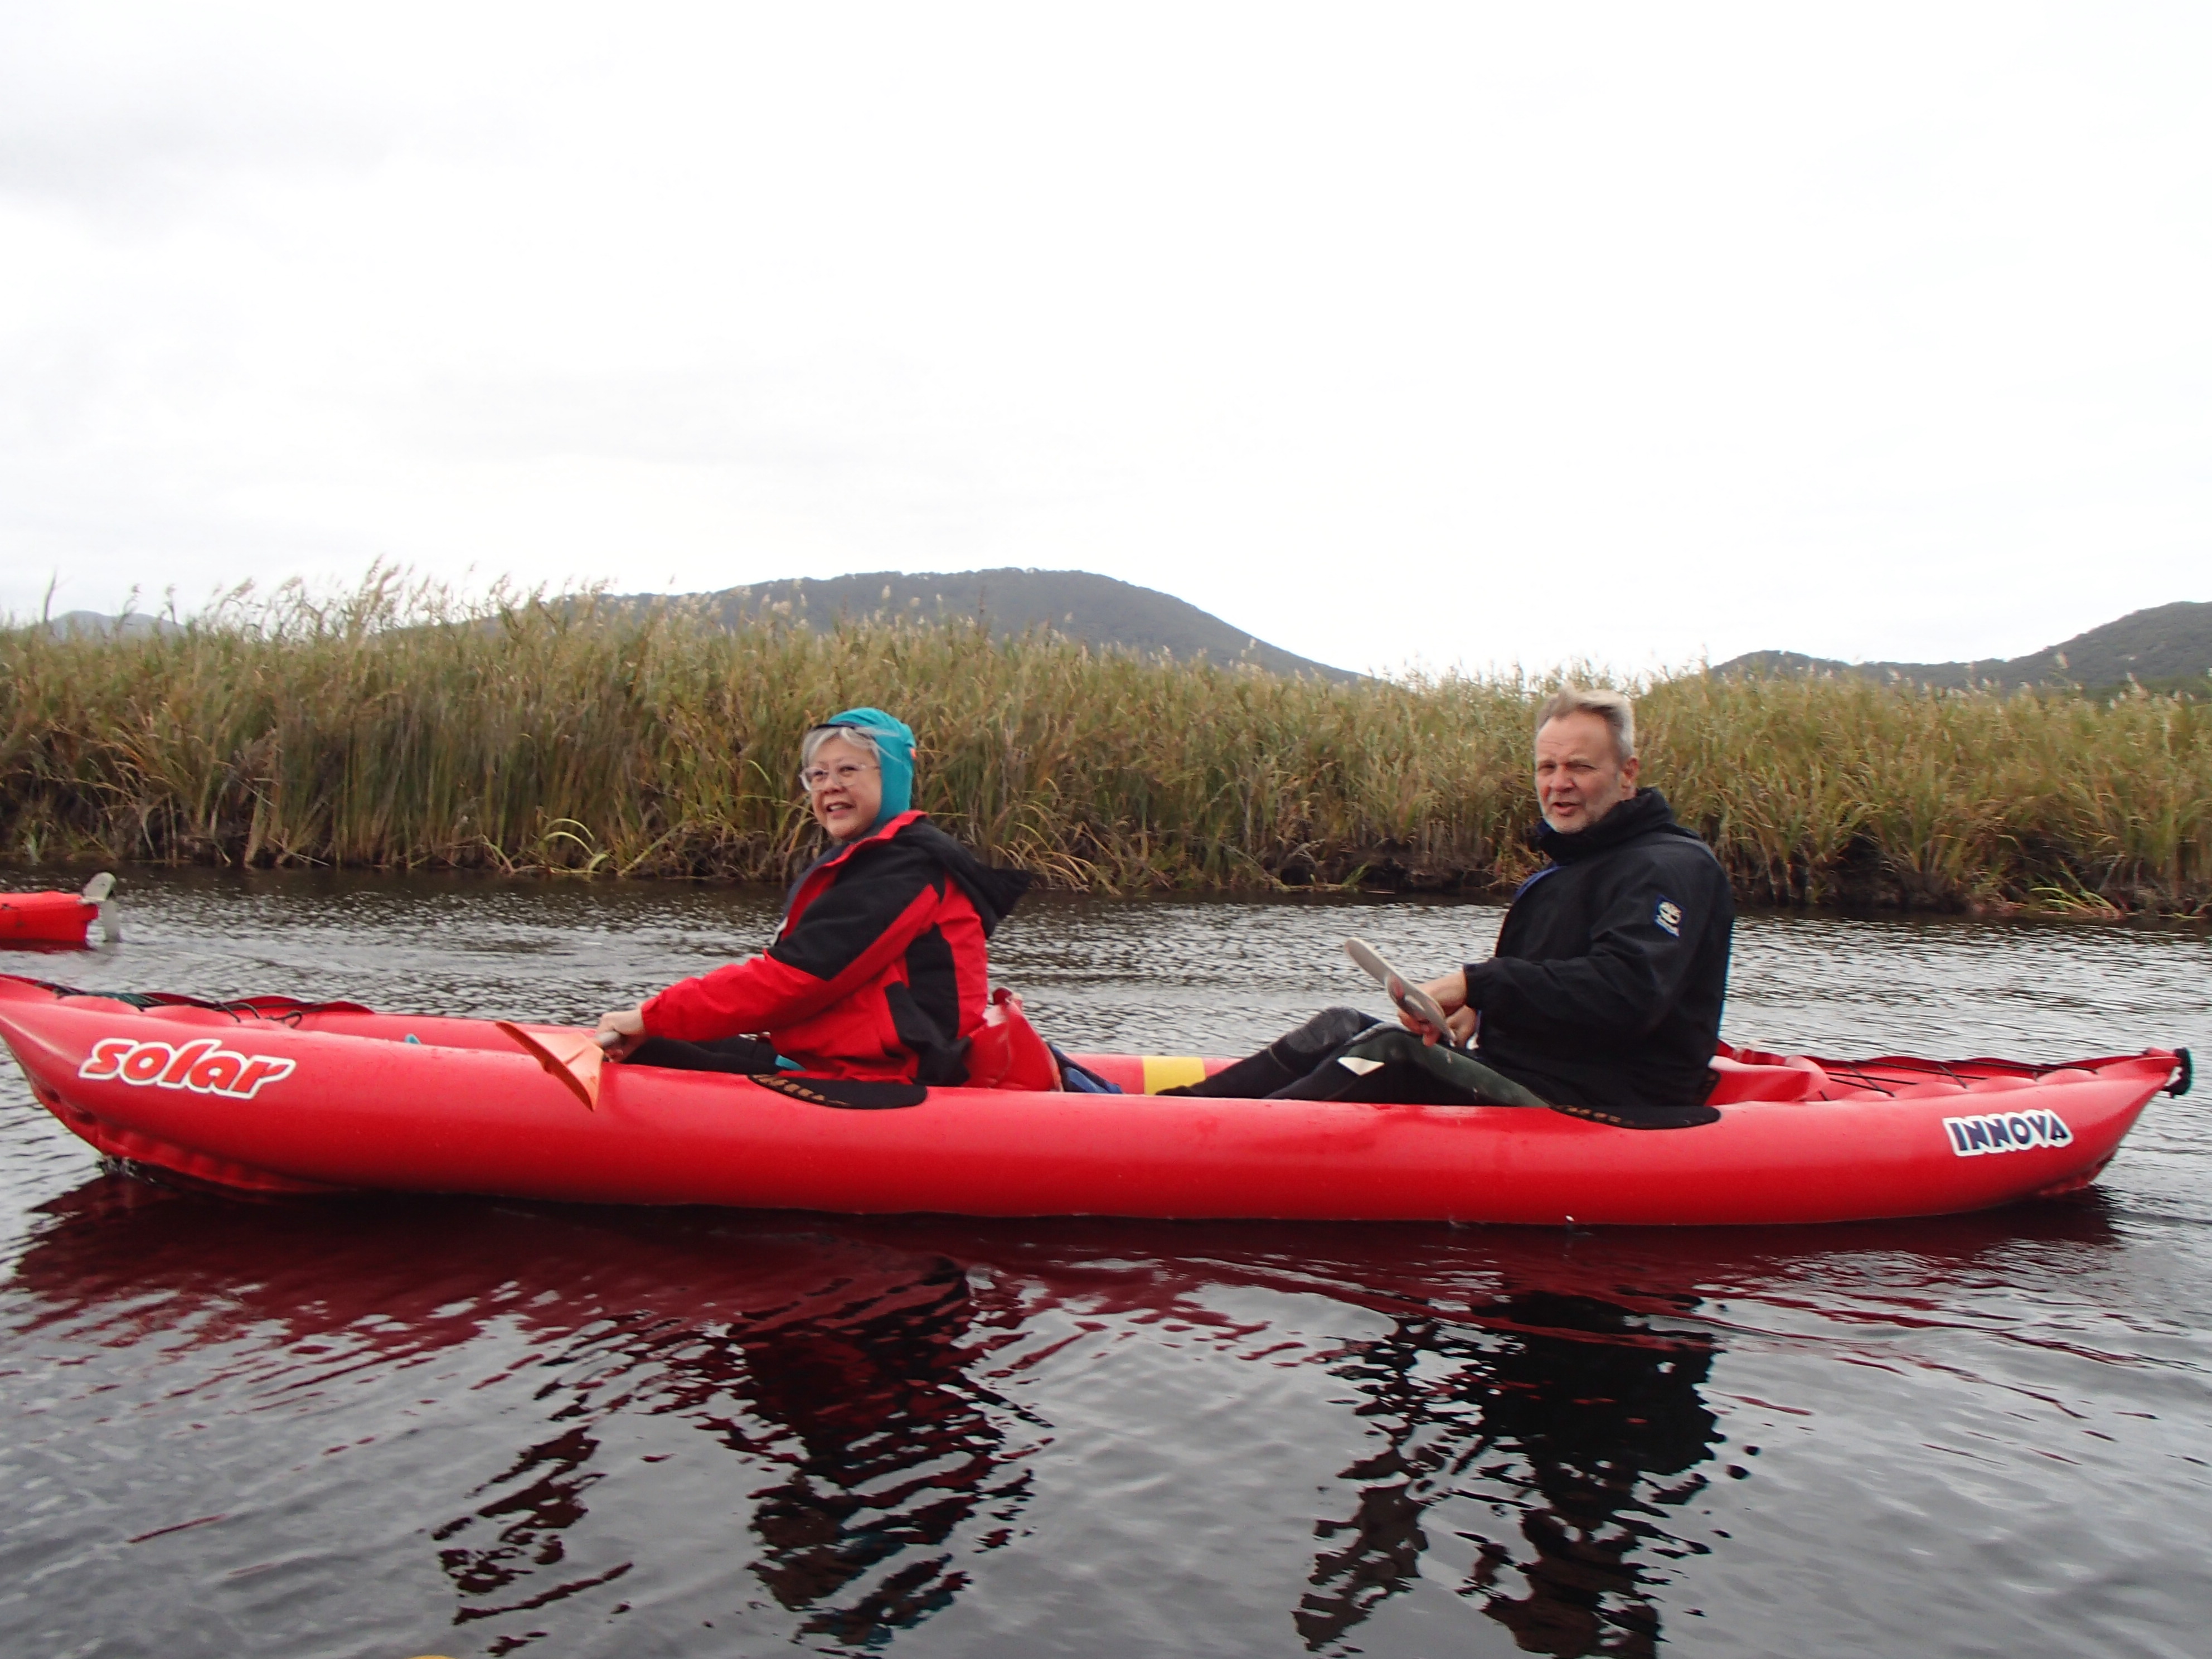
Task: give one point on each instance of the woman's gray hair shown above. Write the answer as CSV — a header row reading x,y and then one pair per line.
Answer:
x,y
862,740
1611,707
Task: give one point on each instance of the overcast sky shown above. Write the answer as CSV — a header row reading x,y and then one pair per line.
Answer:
x,y
1457,334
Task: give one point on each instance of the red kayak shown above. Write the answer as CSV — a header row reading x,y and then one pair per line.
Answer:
x,y
53,918
272,1095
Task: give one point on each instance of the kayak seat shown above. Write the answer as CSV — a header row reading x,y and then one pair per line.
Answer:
x,y
1769,1079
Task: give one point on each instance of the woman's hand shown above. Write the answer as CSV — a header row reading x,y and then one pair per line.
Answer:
x,y
621,1031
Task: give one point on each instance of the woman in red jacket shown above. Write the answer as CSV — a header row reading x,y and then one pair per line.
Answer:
x,y
879,971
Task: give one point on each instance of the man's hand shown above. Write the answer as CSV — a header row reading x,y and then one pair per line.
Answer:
x,y
1449,994
621,1031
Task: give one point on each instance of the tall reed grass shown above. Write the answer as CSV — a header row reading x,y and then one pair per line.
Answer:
x,y
397,728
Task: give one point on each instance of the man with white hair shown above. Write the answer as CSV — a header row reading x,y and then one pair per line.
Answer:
x,y
1606,989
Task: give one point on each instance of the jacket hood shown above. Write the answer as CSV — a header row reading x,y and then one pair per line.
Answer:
x,y
1643,813
894,740
993,891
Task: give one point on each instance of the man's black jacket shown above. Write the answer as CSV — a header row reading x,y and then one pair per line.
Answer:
x,y
1606,987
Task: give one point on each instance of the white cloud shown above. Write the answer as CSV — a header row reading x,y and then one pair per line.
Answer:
x,y
1454,333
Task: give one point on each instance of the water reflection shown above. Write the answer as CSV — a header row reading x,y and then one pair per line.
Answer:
x,y
539,1497
841,1370
836,1422
1569,1410
888,1449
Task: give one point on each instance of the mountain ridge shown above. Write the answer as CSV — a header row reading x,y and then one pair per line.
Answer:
x,y
1103,612
2161,645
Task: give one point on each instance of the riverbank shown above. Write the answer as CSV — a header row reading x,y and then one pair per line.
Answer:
x,y
395,730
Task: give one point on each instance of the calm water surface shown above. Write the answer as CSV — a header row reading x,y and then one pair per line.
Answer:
x,y
390,1427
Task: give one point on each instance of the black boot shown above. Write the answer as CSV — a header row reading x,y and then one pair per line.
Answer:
x,y
1285,1059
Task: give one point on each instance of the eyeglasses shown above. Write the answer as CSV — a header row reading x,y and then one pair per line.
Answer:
x,y
816,778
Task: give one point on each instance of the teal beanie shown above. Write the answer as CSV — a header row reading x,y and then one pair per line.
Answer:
x,y
894,753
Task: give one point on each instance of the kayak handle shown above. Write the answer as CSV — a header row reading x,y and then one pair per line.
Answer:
x,y
2186,1069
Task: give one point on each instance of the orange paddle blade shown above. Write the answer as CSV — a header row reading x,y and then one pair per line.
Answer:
x,y
571,1056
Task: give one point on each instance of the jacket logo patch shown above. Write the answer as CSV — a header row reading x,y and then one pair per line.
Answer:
x,y
205,1067
1669,916
2006,1131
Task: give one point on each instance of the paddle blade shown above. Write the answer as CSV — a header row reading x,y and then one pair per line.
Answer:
x,y
573,1057
96,891
1407,995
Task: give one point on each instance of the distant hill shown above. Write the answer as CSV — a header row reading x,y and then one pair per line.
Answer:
x,y
1098,611
2166,646
72,623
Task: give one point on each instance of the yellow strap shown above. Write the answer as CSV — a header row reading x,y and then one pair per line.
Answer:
x,y
1172,1072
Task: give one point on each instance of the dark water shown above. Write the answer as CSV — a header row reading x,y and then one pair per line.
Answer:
x,y
390,1427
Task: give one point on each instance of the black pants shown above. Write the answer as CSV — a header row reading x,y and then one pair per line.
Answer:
x,y
1341,1054
748,1055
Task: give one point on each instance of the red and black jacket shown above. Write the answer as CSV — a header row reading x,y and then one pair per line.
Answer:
x,y
878,971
